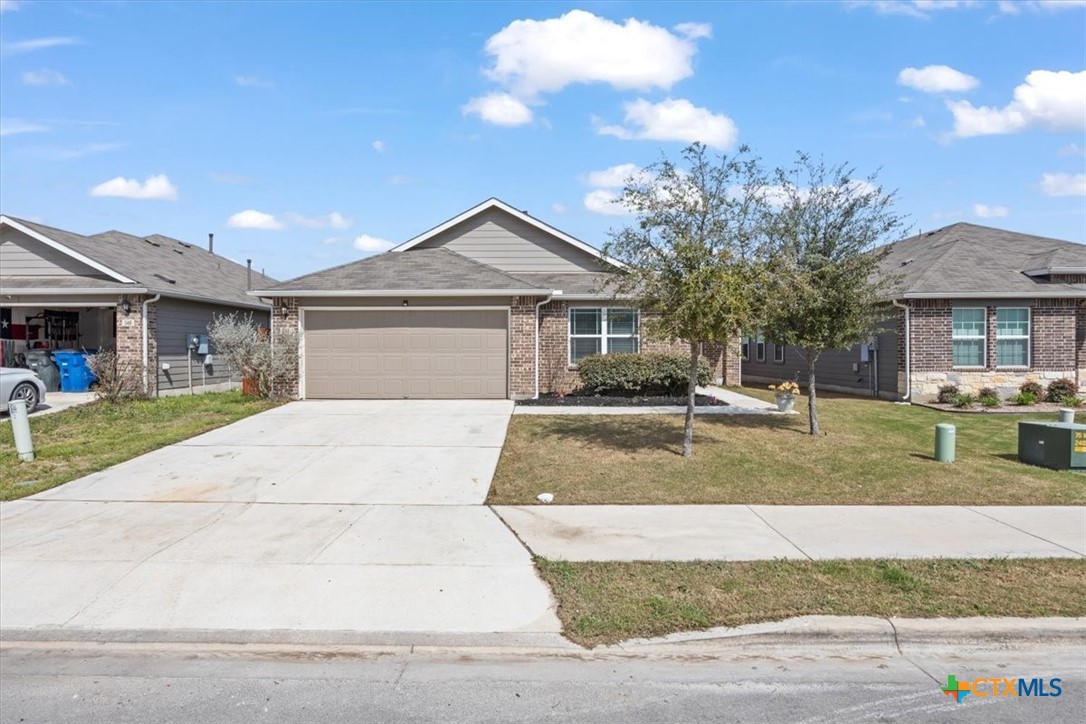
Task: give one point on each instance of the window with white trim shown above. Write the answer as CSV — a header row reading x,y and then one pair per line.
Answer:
x,y
1012,336
606,330
759,347
778,353
968,336
744,348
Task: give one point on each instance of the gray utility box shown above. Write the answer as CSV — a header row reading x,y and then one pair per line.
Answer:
x,y
1056,445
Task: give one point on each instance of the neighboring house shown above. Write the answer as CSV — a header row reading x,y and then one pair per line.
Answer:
x,y
492,303
62,290
974,306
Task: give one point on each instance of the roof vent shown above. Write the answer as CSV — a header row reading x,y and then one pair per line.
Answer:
x,y
152,243
177,251
165,278
907,261
187,246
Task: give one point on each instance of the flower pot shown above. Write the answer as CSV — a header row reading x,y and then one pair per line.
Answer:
x,y
785,403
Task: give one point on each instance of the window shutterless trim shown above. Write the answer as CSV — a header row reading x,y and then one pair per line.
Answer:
x,y
778,348
1028,336
983,336
603,334
759,348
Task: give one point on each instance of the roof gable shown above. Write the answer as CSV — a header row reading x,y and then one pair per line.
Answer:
x,y
496,234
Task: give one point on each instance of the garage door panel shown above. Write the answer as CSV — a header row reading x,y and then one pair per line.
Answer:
x,y
425,354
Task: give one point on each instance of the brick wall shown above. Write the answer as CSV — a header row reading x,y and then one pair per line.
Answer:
x,y
285,316
522,347
1053,352
130,338
1080,346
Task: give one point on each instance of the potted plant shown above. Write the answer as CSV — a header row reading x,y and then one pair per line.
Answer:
x,y
785,395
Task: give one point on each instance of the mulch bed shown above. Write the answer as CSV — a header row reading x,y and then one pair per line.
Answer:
x,y
1039,408
610,401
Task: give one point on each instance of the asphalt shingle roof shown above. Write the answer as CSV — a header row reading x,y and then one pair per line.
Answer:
x,y
161,264
967,259
569,283
417,269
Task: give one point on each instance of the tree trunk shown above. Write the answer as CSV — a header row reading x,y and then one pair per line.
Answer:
x,y
691,398
811,393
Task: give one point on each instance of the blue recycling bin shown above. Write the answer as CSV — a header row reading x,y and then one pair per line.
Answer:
x,y
75,375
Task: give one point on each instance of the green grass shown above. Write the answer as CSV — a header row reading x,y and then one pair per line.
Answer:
x,y
602,603
81,440
873,452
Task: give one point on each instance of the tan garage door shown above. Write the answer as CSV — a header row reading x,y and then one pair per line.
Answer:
x,y
396,354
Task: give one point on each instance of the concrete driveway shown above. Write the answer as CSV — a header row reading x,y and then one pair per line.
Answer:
x,y
315,516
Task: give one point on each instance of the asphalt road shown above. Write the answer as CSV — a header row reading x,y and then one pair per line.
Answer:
x,y
186,683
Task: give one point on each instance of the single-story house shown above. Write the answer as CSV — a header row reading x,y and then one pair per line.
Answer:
x,y
492,303
143,296
972,306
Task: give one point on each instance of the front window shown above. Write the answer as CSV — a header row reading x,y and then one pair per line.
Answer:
x,y
744,349
968,336
602,331
1012,337
759,347
778,353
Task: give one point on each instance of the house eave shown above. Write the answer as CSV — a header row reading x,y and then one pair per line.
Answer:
x,y
67,292
66,250
1046,294
278,293
1050,270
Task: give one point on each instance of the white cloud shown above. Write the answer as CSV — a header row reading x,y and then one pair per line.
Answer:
x,y
616,177
253,219
334,220
673,119
501,109
15,126
378,146
605,201
984,211
6,6
371,244
1063,184
1015,7
558,208
918,122
937,79
1054,100
29,46
252,81
155,188
45,76
921,9
532,57
1073,149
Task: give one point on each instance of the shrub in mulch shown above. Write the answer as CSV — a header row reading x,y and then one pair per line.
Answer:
x,y
588,400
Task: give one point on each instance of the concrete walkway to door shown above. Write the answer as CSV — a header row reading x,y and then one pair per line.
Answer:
x,y
348,517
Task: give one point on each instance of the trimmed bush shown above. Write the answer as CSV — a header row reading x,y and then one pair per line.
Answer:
x,y
652,373
1059,389
963,400
1033,387
1024,398
987,392
946,395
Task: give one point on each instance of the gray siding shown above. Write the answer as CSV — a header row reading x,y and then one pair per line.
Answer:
x,y
507,243
835,369
22,256
178,318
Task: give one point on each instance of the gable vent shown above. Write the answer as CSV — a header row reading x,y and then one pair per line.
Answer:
x,y
165,278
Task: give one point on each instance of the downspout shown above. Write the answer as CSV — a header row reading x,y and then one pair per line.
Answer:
x,y
908,356
537,308
146,346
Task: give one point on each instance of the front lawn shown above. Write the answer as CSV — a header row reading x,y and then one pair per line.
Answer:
x,y
82,440
601,603
873,453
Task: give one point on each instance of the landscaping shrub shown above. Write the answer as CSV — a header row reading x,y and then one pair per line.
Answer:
x,y
989,400
947,393
987,392
963,400
117,379
640,374
247,347
1059,389
1032,387
1072,401
1024,398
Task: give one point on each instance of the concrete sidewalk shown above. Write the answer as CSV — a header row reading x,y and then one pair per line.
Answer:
x,y
811,532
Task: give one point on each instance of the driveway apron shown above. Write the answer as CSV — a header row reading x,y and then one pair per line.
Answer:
x,y
360,516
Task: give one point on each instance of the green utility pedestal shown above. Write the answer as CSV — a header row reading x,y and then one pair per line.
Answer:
x,y
944,442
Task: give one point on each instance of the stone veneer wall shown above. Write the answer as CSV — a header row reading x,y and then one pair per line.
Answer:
x,y
130,338
285,316
1055,323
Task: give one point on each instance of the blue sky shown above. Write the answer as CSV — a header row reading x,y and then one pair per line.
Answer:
x,y
307,134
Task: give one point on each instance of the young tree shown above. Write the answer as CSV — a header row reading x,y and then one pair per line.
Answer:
x,y
825,286
248,348
692,257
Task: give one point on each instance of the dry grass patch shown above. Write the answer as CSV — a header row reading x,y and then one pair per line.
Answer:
x,y
601,603
873,453
85,439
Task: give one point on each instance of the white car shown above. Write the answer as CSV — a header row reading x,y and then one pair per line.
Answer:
x,y
19,383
